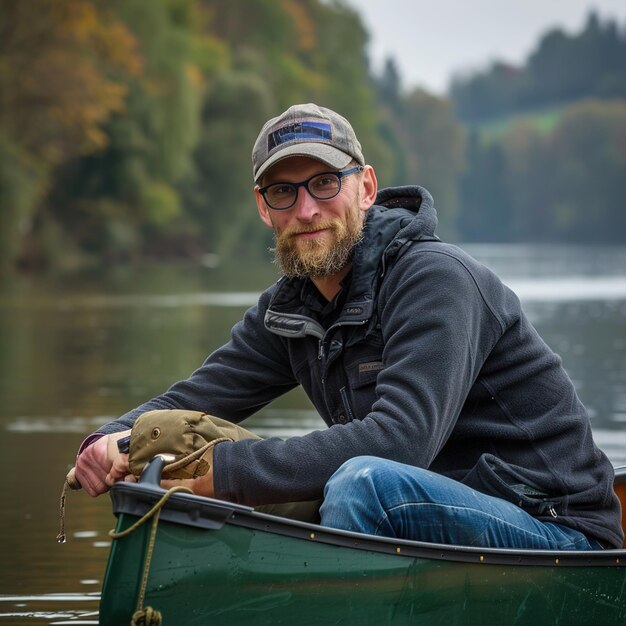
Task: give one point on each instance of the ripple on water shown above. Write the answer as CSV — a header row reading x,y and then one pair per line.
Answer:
x,y
26,608
55,424
85,534
29,605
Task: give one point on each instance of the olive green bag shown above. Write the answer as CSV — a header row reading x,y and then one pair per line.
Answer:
x,y
187,439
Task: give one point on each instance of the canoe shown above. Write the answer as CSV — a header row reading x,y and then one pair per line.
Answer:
x,y
205,561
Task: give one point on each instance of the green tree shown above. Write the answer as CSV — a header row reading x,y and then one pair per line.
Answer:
x,y
125,200
484,209
218,195
527,190
427,145
436,144
562,185
60,68
589,146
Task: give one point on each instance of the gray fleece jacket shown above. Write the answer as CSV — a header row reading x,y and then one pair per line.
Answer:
x,y
429,361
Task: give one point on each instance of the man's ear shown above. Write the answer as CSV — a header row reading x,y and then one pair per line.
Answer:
x,y
369,187
262,208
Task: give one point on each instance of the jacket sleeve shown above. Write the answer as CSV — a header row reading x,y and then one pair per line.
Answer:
x,y
437,329
236,380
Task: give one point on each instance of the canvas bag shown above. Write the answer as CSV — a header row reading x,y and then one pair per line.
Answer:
x,y
190,437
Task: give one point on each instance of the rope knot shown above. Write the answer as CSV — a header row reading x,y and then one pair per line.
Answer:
x,y
146,617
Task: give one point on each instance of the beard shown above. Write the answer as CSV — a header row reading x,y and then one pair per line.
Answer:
x,y
322,256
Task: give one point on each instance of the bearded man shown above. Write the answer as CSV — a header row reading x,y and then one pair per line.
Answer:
x,y
449,419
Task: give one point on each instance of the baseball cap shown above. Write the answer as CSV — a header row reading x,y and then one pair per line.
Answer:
x,y
306,130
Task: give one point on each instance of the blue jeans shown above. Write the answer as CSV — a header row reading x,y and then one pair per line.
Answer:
x,y
380,497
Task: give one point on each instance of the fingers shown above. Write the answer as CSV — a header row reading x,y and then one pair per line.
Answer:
x,y
99,465
92,466
119,469
180,482
201,486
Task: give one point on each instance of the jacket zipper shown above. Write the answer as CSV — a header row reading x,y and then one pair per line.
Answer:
x,y
321,354
346,404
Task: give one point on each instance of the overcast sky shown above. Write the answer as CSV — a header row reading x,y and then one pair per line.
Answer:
x,y
431,39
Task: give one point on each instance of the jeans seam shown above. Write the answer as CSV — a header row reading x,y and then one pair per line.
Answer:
x,y
507,523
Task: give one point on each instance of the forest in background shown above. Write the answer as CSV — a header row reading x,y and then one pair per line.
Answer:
x,y
126,128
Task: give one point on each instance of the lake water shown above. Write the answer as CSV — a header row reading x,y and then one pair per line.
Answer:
x,y
75,351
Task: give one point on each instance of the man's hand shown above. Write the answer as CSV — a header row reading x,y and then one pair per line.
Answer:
x,y
201,486
101,464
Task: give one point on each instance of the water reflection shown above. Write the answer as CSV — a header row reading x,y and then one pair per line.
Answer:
x,y
77,351
25,609
575,289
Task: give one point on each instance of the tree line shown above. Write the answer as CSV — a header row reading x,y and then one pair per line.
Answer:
x,y
126,126
563,68
126,129
546,151
565,185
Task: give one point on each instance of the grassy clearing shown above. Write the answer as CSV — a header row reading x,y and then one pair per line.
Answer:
x,y
544,120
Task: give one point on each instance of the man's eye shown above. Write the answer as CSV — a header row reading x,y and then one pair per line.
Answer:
x,y
279,193
281,190
325,182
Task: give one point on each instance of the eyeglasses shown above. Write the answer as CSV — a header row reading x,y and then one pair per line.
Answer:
x,y
281,196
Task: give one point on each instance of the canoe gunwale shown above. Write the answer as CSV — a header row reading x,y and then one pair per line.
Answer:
x,y
136,499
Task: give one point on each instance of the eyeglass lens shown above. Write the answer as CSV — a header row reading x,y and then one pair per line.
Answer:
x,y
322,187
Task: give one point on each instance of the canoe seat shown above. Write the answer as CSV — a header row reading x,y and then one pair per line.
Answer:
x,y
620,490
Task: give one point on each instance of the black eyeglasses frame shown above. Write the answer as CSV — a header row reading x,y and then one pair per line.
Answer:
x,y
305,183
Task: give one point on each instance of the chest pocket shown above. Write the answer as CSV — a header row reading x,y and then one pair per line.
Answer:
x,y
363,372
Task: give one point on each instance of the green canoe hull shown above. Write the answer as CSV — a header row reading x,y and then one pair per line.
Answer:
x,y
217,563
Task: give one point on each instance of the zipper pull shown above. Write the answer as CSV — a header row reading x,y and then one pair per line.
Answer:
x,y
343,392
552,512
320,352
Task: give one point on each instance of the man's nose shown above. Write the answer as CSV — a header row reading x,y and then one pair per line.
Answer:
x,y
306,207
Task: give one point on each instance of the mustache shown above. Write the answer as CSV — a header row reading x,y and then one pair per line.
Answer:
x,y
311,228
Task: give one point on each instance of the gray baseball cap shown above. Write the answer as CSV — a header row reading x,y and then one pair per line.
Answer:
x,y
306,130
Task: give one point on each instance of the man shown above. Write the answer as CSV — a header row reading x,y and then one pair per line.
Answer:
x,y
450,420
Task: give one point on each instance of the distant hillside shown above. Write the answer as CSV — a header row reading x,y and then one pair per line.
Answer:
x,y
562,69
555,175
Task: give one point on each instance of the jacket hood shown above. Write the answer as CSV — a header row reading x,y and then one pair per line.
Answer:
x,y
416,200
399,215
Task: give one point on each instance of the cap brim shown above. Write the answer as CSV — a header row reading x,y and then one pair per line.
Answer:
x,y
320,151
